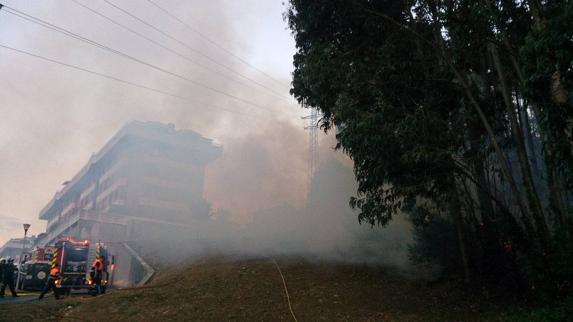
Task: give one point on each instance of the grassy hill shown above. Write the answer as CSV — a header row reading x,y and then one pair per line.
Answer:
x,y
252,290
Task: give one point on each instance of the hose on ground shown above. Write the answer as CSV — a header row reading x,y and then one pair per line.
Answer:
x,y
286,289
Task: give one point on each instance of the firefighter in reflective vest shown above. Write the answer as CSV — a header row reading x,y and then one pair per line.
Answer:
x,y
97,273
51,283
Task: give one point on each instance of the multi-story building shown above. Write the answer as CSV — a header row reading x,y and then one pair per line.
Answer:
x,y
15,247
145,182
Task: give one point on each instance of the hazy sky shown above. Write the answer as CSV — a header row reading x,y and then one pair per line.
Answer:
x,y
53,117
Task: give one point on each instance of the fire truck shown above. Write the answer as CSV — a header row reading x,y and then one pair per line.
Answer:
x,y
75,260
34,273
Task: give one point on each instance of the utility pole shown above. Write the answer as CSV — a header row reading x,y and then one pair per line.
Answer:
x,y
312,128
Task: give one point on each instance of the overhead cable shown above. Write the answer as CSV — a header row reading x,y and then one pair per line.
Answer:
x,y
71,34
177,53
116,79
198,52
214,43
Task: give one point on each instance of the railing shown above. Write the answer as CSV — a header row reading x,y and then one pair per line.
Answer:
x,y
59,227
142,272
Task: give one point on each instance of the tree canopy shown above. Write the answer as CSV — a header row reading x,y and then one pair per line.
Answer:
x,y
456,111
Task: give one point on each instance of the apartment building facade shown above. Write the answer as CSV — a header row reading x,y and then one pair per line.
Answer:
x,y
145,182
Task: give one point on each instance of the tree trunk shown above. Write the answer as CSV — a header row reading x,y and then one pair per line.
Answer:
x,y
527,133
556,196
516,132
456,212
504,165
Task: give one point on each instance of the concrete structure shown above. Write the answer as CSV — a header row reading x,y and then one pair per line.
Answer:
x,y
146,182
13,247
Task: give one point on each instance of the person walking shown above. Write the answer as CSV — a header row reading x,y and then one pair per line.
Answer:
x,y
8,278
51,282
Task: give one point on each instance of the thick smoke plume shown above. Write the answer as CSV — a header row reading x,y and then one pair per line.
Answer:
x,y
255,219
260,170
54,118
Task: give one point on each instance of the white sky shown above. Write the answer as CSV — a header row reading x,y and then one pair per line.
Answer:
x,y
53,118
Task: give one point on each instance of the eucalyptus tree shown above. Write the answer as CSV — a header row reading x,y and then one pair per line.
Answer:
x,y
454,107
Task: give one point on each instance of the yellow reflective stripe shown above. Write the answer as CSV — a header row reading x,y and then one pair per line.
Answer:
x,y
54,258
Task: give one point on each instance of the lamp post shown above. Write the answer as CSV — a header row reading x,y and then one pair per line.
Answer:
x,y
26,227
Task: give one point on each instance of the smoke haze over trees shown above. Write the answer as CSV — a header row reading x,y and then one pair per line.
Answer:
x,y
56,117
456,114
324,228
460,113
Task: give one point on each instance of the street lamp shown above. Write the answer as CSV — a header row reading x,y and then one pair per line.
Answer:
x,y
26,227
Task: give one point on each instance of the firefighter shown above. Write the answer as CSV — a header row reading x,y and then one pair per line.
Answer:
x,y
8,278
97,269
51,283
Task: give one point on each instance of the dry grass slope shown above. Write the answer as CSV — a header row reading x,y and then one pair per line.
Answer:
x,y
252,290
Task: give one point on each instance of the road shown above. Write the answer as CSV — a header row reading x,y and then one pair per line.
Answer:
x,y
22,297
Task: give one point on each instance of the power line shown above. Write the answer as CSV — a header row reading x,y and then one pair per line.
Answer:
x,y
214,43
114,78
198,52
52,27
276,94
66,32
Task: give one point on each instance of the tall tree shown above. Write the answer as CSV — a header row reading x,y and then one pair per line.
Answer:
x,y
435,100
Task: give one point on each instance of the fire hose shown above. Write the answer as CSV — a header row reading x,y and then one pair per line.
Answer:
x,y
286,289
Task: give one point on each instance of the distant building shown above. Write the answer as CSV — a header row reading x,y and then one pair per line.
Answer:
x,y
13,248
147,180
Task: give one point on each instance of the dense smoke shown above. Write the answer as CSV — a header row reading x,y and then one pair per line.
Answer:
x,y
323,228
54,118
260,170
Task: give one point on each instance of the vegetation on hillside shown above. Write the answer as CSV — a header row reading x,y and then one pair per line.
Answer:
x,y
460,113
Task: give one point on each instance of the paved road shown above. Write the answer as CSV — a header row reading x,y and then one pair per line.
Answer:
x,y
22,297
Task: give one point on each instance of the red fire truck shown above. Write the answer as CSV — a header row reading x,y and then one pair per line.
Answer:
x,y
74,260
